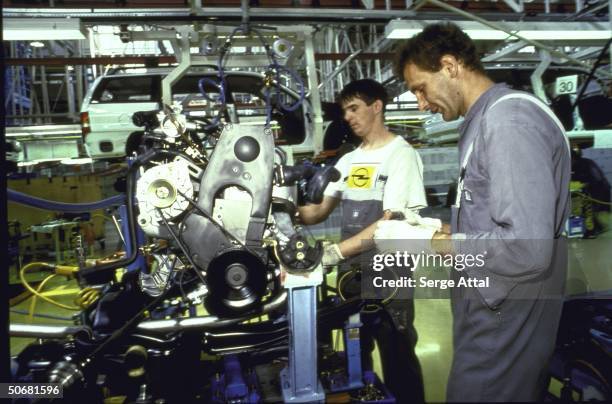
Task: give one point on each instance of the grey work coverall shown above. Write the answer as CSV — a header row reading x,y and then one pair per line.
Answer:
x,y
392,327
513,207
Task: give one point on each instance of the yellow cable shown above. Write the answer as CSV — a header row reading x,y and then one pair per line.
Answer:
x,y
102,216
25,283
87,297
339,283
38,289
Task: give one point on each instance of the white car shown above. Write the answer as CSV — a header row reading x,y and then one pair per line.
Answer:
x,y
106,113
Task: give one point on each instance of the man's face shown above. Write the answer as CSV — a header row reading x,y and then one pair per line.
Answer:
x,y
435,91
361,116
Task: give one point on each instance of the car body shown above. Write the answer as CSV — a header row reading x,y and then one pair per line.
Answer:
x,y
107,109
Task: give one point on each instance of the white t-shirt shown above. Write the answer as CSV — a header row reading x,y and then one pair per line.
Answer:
x,y
392,174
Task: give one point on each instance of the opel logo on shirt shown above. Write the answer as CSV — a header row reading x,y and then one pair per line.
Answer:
x,y
361,177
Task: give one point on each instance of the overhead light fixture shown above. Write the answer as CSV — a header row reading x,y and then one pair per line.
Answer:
x,y
41,29
37,44
541,31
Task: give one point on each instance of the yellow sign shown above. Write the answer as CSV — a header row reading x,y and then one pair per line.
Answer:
x,y
361,177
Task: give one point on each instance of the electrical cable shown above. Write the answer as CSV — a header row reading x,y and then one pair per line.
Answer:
x,y
87,297
591,74
273,66
34,297
25,283
352,271
220,99
107,218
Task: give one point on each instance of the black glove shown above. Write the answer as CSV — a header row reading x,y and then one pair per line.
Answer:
x,y
311,180
319,181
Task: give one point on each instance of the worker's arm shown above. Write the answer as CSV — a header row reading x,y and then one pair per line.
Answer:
x,y
316,213
362,241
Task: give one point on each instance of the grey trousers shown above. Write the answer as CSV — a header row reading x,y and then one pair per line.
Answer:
x,y
502,354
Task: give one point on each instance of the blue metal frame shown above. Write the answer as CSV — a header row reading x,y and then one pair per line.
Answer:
x,y
299,380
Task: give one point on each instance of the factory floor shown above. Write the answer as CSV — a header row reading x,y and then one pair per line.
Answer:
x,y
589,272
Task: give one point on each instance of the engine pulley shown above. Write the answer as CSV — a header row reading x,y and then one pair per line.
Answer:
x,y
237,281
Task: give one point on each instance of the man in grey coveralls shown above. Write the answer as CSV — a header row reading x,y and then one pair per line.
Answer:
x,y
512,204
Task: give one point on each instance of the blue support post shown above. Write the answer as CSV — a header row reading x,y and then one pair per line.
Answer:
x,y
353,351
235,386
299,380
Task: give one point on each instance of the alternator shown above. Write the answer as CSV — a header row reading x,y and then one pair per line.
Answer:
x,y
162,189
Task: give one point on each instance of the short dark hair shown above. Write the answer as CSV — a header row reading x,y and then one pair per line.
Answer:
x,y
427,48
367,90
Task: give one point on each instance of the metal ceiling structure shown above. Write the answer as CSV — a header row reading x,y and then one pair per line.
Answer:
x,y
349,39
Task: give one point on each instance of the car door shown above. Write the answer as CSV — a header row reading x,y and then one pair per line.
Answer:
x,y
111,108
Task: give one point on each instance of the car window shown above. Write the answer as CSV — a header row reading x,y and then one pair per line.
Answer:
x,y
244,91
187,91
127,89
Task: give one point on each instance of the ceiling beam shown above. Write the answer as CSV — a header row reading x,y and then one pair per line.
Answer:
x,y
152,60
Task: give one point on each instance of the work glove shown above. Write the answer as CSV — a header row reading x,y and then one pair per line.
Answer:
x,y
419,235
403,230
331,255
417,220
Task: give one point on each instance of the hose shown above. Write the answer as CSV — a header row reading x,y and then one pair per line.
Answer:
x,y
39,290
28,200
87,297
272,66
25,283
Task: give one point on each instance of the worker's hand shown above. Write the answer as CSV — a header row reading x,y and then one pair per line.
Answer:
x,y
417,237
417,220
331,255
403,230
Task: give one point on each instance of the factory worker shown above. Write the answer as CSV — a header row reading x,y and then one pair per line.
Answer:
x,y
511,206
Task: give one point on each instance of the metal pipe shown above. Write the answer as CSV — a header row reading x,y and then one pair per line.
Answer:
x,y
206,322
45,331
227,13
244,6
339,69
70,93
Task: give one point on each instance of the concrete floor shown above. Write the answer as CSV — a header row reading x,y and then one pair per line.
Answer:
x,y
589,272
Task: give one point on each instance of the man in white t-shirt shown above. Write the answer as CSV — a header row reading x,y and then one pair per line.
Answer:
x,y
383,175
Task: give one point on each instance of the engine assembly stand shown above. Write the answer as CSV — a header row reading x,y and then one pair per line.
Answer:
x,y
299,380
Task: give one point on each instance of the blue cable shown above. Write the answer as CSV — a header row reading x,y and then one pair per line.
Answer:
x,y
40,203
273,65
221,98
297,78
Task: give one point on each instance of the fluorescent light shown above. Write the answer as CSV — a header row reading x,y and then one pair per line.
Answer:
x,y
37,29
542,31
566,35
